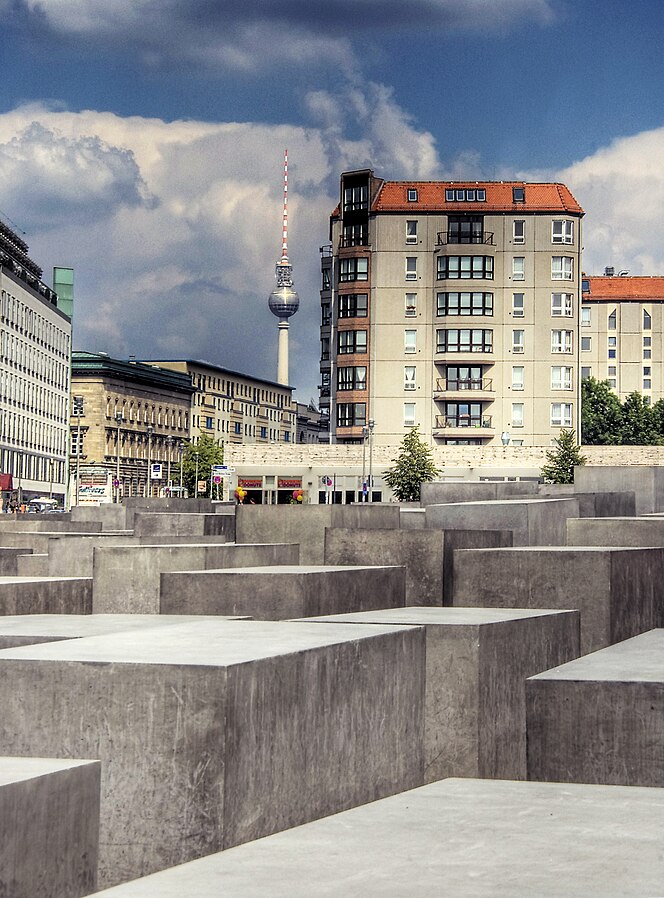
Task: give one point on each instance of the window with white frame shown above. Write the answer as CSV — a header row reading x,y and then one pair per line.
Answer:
x,y
561,341
412,194
562,268
411,268
409,414
517,377
411,232
562,305
519,268
562,231
410,341
411,305
585,316
517,414
647,344
409,377
518,340
561,414
518,305
519,231
561,377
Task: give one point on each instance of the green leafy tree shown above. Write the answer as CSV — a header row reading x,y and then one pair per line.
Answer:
x,y
209,453
562,458
639,424
413,466
601,414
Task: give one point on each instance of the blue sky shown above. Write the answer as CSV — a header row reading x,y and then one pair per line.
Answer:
x,y
142,143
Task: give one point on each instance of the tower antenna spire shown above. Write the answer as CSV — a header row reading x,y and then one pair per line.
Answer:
x,y
284,244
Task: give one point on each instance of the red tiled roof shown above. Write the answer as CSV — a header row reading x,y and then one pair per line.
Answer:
x,y
638,289
392,197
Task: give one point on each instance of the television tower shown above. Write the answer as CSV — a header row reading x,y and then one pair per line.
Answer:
x,y
284,301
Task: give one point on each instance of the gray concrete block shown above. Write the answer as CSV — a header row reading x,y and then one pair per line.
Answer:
x,y
619,531
215,733
305,525
600,719
126,578
616,590
533,522
37,540
49,827
110,516
459,838
32,565
477,662
647,483
73,556
51,523
592,505
45,595
8,555
412,518
444,492
149,524
279,592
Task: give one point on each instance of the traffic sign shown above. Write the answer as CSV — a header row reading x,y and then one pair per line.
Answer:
x,y
216,478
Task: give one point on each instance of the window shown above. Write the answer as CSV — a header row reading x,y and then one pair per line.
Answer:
x,y
464,377
470,195
325,314
518,305
465,340
410,341
353,377
613,342
586,373
209,423
264,433
519,231
612,370
562,232
409,414
327,279
464,304
411,305
351,414
465,267
647,383
562,305
355,235
561,341
412,195
517,414
518,340
356,197
354,269
353,305
518,194
611,321
411,268
465,229
519,268
351,341
238,427
517,377
647,321
409,375
325,349
561,378
561,414
585,316
647,352
586,344
562,268
411,232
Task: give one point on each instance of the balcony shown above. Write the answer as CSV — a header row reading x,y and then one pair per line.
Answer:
x,y
448,238
452,388
480,426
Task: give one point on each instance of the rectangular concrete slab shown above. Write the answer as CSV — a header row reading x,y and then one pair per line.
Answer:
x,y
600,719
619,531
646,482
218,732
49,827
616,590
147,524
45,595
126,578
441,492
8,563
457,838
533,522
477,663
279,592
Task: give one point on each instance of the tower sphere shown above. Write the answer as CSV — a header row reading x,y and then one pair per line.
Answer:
x,y
283,301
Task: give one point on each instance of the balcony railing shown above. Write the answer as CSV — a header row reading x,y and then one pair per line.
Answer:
x,y
357,240
449,384
447,238
463,421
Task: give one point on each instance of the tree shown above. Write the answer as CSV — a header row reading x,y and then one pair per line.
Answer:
x,y
639,424
209,453
601,414
413,466
562,458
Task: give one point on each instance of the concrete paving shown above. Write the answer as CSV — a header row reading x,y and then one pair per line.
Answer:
x,y
457,838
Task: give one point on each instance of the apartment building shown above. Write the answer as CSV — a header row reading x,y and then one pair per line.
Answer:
x,y
454,306
622,333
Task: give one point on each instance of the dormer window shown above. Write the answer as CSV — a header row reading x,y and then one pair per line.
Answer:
x,y
518,194
412,195
466,195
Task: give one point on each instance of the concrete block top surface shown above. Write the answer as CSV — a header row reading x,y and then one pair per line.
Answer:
x,y
569,550
639,659
73,626
421,615
463,838
287,569
203,643
41,579
509,503
14,770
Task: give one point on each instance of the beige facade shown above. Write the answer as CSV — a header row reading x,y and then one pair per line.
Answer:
x,y
452,306
231,407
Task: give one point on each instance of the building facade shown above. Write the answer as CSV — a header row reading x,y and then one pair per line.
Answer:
x,y
35,348
127,417
622,333
236,408
452,306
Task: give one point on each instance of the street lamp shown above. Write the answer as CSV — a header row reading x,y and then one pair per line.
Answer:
x,y
119,418
78,411
148,487
196,457
372,424
169,447
365,434
180,457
